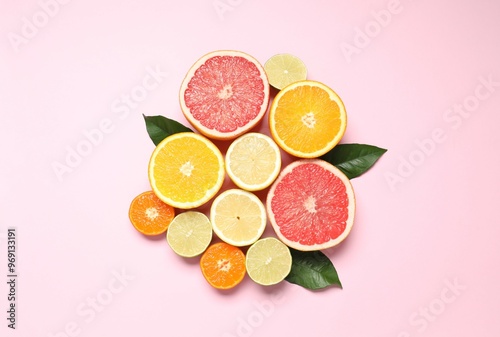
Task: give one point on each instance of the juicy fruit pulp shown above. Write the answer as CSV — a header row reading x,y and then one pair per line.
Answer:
x,y
307,119
311,205
253,161
189,234
186,170
149,215
268,261
224,94
238,217
223,265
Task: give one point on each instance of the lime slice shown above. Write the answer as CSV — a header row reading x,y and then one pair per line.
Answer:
x,y
285,69
268,261
238,217
253,161
189,234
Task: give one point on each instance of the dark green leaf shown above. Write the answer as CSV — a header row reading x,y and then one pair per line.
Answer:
x,y
312,270
160,127
354,159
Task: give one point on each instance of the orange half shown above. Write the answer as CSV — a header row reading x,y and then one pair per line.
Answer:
x,y
149,215
223,265
307,119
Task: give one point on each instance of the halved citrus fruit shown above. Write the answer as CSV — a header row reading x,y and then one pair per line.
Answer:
x,y
225,94
149,215
311,205
238,217
268,261
186,170
307,119
223,265
189,234
285,69
253,161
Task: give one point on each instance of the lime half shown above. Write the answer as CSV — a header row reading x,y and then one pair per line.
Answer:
x,y
268,261
189,234
285,69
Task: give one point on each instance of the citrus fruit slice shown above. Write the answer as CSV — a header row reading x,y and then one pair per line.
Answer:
x,y
186,170
285,69
189,234
225,94
311,205
149,215
223,265
238,217
268,261
307,119
253,161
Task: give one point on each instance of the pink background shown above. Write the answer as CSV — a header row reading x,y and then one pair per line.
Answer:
x,y
425,221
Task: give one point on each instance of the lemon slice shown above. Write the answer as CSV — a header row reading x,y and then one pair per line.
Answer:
x,y
189,234
285,69
238,217
253,161
268,261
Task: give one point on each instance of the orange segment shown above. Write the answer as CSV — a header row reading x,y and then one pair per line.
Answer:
x,y
186,170
307,119
223,265
149,214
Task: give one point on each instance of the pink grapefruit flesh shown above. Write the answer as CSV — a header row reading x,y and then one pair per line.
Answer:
x,y
225,94
311,205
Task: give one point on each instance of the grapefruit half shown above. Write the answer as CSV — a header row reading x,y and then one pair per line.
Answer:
x,y
225,94
311,205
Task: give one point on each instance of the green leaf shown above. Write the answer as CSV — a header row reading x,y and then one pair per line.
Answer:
x,y
312,270
160,127
354,159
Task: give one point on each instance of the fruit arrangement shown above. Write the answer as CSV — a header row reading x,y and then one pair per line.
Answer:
x,y
309,203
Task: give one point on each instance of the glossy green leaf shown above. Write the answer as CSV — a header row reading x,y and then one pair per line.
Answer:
x,y
354,159
312,270
160,127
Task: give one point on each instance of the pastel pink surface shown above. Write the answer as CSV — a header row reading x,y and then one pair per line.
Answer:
x,y
423,81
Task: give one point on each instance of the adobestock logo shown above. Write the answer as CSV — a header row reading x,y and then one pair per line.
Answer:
x,y
93,305
429,313
454,117
247,325
121,107
30,27
223,6
364,36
